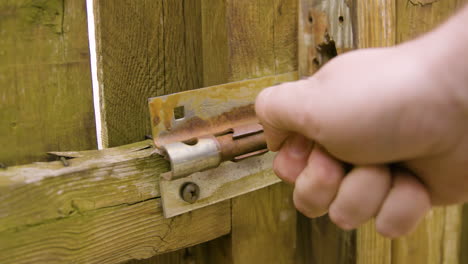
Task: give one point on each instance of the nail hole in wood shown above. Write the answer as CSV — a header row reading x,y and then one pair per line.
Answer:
x,y
341,19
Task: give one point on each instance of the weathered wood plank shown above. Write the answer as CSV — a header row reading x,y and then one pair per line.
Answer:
x,y
131,66
425,244
112,235
452,235
436,240
285,30
329,244
123,175
417,17
214,42
376,23
104,207
251,45
45,95
263,226
371,247
464,237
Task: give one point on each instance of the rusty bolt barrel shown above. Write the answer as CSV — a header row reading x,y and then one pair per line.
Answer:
x,y
208,152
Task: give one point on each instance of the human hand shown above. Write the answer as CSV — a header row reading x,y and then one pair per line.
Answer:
x,y
385,112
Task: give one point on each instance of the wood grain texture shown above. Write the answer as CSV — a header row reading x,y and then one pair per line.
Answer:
x,y
376,23
330,244
452,235
102,208
263,226
145,49
131,66
95,180
372,247
430,243
375,26
214,42
113,235
45,96
285,35
425,244
416,17
251,43
464,237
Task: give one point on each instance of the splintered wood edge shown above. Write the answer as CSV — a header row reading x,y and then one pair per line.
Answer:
x,y
103,208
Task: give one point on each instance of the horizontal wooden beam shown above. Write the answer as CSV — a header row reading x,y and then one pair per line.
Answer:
x,y
103,207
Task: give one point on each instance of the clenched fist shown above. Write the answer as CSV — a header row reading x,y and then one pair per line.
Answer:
x,y
376,133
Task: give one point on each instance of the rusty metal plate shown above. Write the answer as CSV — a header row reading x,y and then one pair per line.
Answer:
x,y
227,181
207,111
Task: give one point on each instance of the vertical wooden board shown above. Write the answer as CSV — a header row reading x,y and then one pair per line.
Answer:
x,y
329,244
376,23
371,247
417,17
464,237
214,42
145,49
425,244
374,26
45,97
285,36
452,235
263,226
437,240
131,66
183,67
250,36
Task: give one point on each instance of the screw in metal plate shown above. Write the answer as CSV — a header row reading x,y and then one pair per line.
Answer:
x,y
190,192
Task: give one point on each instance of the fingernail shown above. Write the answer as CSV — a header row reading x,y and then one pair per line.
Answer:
x,y
299,146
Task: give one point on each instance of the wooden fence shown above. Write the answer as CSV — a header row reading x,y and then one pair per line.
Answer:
x,y
104,207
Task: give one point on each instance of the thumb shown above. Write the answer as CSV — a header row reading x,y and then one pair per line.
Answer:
x,y
282,109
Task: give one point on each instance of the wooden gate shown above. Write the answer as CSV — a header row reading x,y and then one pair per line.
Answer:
x,y
104,206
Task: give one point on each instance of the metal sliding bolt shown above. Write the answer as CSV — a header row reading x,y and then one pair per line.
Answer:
x,y
190,192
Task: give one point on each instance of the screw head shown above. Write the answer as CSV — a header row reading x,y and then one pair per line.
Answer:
x,y
190,192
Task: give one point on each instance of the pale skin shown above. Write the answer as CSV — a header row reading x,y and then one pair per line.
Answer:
x,y
376,133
